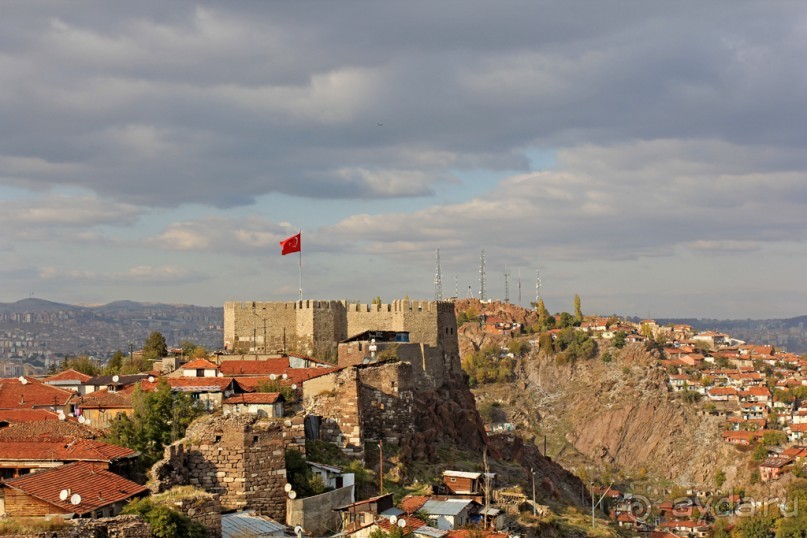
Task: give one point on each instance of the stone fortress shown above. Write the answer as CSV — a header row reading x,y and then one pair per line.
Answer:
x,y
316,328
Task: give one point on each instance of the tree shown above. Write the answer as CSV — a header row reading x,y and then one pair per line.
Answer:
x,y
160,418
165,522
578,312
155,347
544,318
619,339
81,364
720,478
376,300
760,452
115,363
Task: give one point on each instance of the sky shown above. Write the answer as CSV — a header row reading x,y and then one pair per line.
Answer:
x,y
647,156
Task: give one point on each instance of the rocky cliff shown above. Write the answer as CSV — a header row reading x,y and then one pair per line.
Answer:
x,y
619,416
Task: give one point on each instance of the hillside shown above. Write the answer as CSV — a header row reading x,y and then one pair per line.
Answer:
x,y
615,419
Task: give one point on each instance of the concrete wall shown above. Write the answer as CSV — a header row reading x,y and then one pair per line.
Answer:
x,y
316,514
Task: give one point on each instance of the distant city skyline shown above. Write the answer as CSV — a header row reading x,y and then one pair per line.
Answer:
x,y
648,157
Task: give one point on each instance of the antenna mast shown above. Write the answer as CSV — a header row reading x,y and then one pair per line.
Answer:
x,y
438,280
537,286
482,295
456,287
506,286
519,287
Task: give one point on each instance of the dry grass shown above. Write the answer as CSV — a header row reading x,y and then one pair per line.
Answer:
x,y
24,525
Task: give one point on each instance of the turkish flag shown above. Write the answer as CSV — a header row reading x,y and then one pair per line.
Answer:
x,y
291,245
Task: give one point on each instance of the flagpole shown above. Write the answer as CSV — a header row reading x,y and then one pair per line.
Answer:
x,y
301,265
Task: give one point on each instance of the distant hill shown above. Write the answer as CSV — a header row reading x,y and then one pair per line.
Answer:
x,y
35,305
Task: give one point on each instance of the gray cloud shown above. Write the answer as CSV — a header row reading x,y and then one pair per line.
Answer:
x,y
218,104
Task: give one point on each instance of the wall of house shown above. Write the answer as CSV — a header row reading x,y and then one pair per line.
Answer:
x,y
386,401
101,418
316,514
19,504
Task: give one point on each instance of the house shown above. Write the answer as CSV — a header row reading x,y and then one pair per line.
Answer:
x,y
626,520
69,380
773,468
363,514
241,524
265,404
723,394
333,477
199,368
207,392
101,407
743,438
112,383
465,483
13,416
20,457
698,529
80,489
449,514
29,393
797,432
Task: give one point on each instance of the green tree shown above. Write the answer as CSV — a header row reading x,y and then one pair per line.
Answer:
x,y
760,452
544,317
81,364
564,320
165,522
115,363
155,348
619,339
578,312
757,526
160,418
376,300
720,478
773,438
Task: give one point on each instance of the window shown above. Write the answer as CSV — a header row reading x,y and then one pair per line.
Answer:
x,y
218,439
200,372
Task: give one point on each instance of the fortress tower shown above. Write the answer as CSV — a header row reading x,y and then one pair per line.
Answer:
x,y
316,327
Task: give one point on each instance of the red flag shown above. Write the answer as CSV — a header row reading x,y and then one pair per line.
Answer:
x,y
290,245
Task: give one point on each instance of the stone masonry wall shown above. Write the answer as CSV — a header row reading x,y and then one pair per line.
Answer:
x,y
387,397
239,457
339,409
318,326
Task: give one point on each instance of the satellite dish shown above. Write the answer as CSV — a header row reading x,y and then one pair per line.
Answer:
x,y
272,377
62,417
64,494
151,379
285,376
87,421
402,523
292,495
294,386
21,379
288,488
393,519
115,378
81,419
75,499
221,374
298,530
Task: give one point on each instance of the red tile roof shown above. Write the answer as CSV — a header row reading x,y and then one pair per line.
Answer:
x,y
103,399
61,450
412,503
21,431
255,398
27,415
411,523
95,486
246,368
67,375
191,384
16,395
199,364
467,533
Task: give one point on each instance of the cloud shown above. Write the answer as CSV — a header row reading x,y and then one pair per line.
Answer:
x,y
165,104
611,203
166,275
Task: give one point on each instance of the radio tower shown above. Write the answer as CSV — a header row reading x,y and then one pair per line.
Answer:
x,y
519,287
482,295
506,286
456,287
537,286
438,280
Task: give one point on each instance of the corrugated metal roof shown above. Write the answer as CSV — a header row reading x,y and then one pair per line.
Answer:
x,y
450,507
240,524
431,532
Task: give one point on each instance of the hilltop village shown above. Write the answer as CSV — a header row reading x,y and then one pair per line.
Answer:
x,y
325,418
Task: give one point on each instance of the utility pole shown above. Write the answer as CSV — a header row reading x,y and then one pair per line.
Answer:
x,y
456,287
381,467
537,286
532,473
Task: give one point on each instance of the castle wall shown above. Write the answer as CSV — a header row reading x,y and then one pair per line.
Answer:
x,y
238,458
386,401
335,398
